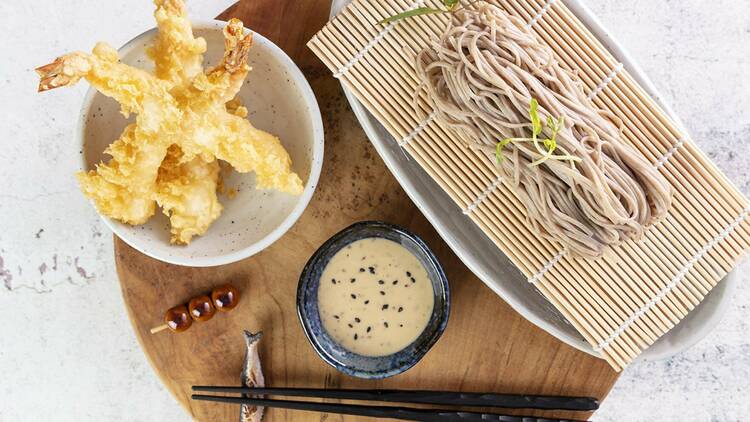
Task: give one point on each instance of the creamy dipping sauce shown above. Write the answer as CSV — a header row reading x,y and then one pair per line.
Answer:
x,y
375,297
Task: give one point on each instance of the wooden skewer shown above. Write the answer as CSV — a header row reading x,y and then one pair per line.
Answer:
x,y
159,328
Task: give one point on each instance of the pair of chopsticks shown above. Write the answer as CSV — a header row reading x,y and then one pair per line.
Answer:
x,y
443,398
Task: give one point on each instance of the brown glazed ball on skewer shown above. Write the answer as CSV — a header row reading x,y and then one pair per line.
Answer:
x,y
201,308
225,298
178,319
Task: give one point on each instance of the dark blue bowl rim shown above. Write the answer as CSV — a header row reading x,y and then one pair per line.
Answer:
x,y
443,308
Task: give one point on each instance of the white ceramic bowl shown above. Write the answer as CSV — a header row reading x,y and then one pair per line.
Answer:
x,y
279,100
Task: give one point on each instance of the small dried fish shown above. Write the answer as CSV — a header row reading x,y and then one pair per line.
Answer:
x,y
252,376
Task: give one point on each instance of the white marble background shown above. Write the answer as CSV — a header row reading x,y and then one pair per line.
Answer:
x,y
66,349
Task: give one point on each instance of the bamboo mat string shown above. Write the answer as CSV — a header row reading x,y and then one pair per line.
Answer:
x,y
674,282
606,81
417,130
383,32
541,13
482,196
663,160
548,266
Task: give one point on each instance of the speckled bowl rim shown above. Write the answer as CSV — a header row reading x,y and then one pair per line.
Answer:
x,y
316,159
442,308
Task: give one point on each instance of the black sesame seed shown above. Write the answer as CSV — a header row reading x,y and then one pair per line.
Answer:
x,y
368,329
408,274
381,282
372,270
386,324
333,280
336,316
357,320
382,293
353,280
395,282
354,296
401,325
367,301
400,308
350,325
355,336
412,280
361,270
385,307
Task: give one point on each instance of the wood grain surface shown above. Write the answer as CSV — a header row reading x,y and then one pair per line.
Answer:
x,y
487,346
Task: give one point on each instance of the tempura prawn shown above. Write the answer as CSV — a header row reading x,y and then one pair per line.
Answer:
x,y
229,137
124,187
186,188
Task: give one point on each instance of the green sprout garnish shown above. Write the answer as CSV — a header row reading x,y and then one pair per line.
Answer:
x,y
546,147
450,6
536,124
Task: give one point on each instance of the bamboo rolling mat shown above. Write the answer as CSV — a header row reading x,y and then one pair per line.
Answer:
x,y
621,303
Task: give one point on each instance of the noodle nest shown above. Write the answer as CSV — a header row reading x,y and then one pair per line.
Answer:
x,y
594,190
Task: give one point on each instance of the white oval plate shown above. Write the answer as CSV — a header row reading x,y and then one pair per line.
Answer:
x,y
484,258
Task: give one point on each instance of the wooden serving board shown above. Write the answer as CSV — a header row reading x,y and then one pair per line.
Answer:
x,y
487,346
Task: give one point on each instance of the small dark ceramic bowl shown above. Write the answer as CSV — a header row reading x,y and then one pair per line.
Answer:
x,y
352,363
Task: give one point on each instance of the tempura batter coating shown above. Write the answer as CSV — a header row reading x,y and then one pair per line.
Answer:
x,y
177,54
187,194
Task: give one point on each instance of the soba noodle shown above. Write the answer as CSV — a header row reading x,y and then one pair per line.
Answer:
x,y
481,77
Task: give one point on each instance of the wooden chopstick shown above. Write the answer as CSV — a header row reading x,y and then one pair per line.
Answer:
x,y
403,413
511,401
